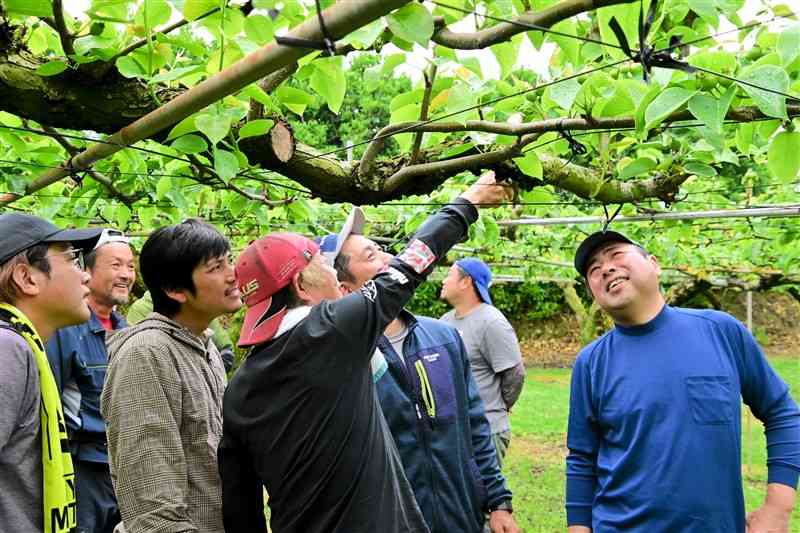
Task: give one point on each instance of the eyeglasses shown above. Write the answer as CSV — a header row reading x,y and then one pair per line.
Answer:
x,y
74,255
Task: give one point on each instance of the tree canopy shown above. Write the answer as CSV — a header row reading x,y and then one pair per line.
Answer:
x,y
583,111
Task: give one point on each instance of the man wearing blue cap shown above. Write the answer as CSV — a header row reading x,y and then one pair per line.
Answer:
x,y
491,344
654,432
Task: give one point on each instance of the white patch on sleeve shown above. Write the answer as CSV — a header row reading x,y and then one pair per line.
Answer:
x,y
418,256
398,276
369,290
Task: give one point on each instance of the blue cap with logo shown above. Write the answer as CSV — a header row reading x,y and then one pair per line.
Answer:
x,y
480,274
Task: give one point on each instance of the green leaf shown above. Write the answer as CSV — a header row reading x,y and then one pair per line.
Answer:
x,y
789,44
183,127
705,108
190,144
194,8
158,12
29,8
51,68
461,96
391,62
163,186
122,214
664,104
226,164
328,81
700,169
259,95
783,156
147,216
130,68
529,164
564,93
413,23
744,137
770,77
365,36
259,29
637,167
404,114
215,127
506,55
254,128
174,74
295,100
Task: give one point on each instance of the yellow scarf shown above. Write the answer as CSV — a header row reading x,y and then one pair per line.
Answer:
x,y
59,477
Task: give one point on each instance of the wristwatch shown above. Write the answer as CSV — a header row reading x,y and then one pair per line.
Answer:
x,y
504,505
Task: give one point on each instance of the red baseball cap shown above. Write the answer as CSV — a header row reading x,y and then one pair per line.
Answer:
x,y
265,267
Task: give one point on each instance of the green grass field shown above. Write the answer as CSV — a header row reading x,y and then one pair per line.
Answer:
x,y
535,462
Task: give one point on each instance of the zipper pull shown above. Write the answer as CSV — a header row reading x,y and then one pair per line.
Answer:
x,y
419,415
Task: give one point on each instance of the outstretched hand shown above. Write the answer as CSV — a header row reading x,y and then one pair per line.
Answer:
x,y
487,191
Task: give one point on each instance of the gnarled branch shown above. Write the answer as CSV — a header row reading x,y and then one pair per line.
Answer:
x,y
504,31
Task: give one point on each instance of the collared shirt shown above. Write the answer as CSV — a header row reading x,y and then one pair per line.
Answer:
x,y
79,360
162,403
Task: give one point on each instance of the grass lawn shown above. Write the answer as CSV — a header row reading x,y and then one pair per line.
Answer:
x,y
534,465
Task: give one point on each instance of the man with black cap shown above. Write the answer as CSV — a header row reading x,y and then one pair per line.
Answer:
x,y
43,287
654,430
301,417
79,360
491,343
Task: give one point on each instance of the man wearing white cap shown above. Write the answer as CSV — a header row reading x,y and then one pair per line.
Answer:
x,y
300,416
431,403
79,361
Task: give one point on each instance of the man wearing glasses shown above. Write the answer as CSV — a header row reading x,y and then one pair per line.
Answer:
x,y
79,360
43,287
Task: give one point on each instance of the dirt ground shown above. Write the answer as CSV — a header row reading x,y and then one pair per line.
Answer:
x,y
776,322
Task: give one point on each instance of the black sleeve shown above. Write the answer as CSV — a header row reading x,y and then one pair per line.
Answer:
x,y
242,492
361,317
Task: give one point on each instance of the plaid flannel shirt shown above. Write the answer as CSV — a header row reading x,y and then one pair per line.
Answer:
x,y
162,404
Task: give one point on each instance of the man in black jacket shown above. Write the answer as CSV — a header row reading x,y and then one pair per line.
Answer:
x,y
301,417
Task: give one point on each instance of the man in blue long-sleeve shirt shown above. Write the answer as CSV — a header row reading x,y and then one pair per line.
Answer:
x,y
655,423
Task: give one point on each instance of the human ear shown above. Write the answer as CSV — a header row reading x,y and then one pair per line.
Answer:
x,y
26,280
177,295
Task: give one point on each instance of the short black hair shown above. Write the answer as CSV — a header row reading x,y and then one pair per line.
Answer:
x,y
171,254
342,266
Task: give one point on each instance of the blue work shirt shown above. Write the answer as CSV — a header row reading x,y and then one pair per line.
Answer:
x,y
79,360
655,425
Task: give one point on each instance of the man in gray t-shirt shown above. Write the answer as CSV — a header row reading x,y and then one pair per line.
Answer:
x,y
490,341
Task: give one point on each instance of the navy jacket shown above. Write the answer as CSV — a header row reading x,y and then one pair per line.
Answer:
x,y
437,419
79,360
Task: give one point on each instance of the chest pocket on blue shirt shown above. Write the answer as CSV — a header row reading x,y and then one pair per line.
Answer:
x,y
433,379
90,373
710,399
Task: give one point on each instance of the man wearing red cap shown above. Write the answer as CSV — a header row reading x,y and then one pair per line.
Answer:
x,y
301,417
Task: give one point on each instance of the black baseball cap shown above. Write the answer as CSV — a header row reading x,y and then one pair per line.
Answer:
x,y
19,231
592,243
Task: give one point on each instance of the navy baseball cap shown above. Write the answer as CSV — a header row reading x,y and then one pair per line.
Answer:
x,y
592,243
330,245
480,274
20,231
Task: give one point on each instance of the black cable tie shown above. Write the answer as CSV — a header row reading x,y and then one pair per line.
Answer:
x,y
647,56
73,172
574,146
609,219
326,44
